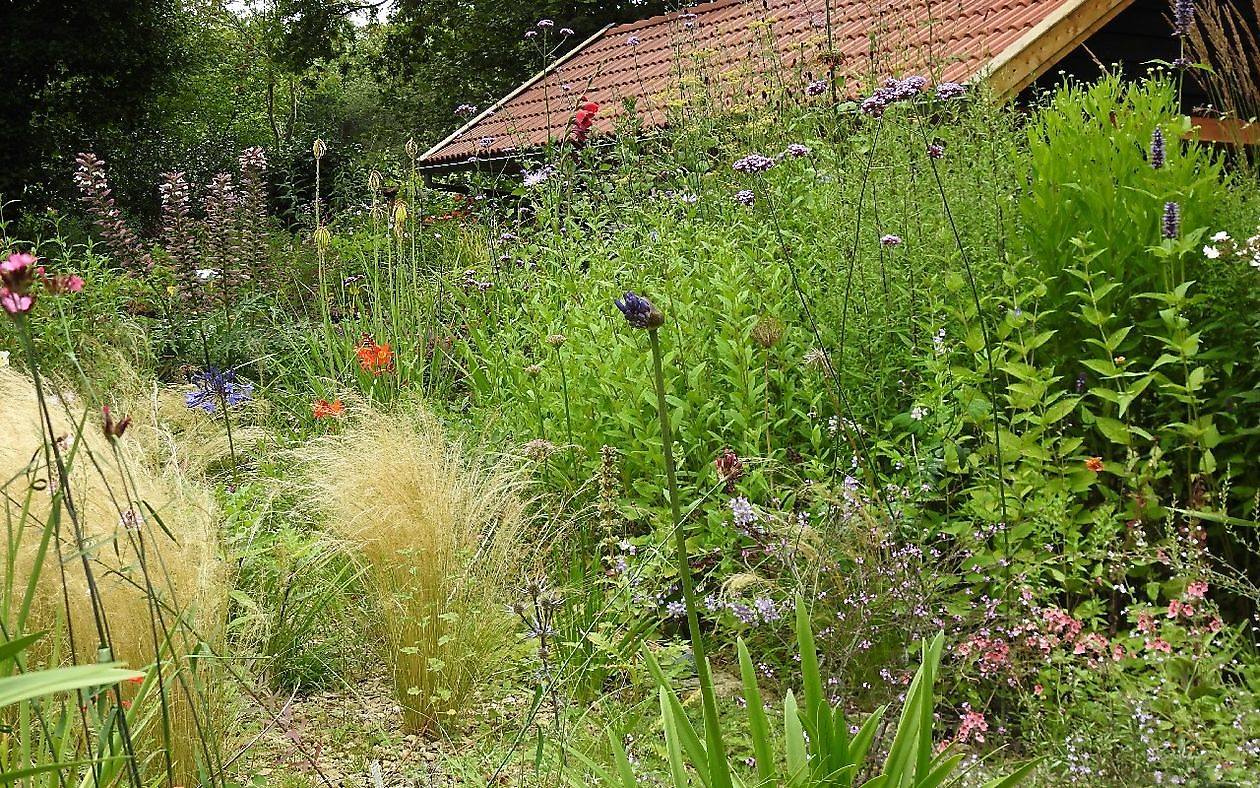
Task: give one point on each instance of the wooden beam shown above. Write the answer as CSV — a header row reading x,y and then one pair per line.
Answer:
x,y
1232,131
1047,43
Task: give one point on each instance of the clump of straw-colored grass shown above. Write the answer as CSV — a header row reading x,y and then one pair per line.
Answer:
x,y
162,595
444,538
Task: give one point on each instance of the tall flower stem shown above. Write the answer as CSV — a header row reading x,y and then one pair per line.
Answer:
x,y
712,733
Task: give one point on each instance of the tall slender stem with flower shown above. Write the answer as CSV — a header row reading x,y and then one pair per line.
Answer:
x,y
641,313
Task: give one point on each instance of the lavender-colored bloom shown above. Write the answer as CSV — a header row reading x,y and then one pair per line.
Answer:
x,y
744,613
639,312
216,386
816,87
633,41
745,197
465,109
1172,220
766,609
1081,382
534,177
566,31
743,512
531,33
753,163
890,240
936,149
485,142
676,609
1183,16
546,23
1157,149
796,150
949,90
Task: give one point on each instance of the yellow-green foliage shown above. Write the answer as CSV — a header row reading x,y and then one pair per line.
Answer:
x,y
444,539
109,487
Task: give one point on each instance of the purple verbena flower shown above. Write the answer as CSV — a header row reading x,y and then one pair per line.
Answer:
x,y
546,23
465,109
949,90
753,163
676,609
566,31
745,197
633,41
796,150
531,33
890,240
816,87
936,148
743,512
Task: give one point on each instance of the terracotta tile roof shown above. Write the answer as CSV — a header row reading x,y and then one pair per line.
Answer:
x,y
722,52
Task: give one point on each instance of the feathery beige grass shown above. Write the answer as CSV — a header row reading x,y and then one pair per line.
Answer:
x,y
110,489
444,538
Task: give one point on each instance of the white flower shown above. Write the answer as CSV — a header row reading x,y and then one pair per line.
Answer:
x,y
1221,236
1211,252
917,413
206,274
4,358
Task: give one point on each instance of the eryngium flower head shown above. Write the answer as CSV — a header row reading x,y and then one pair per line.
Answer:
x,y
753,163
640,312
1157,149
1183,16
745,197
1172,220
949,90
215,386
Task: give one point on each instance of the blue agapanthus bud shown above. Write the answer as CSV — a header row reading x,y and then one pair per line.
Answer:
x,y
640,312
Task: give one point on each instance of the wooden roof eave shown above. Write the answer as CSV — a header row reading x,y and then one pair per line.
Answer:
x,y
1046,44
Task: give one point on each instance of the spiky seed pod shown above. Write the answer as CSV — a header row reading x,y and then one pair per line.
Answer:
x,y
768,331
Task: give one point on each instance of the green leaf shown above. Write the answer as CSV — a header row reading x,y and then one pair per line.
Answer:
x,y
794,742
36,684
1115,430
758,723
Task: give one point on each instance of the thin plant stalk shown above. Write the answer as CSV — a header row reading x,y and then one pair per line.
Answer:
x,y
712,733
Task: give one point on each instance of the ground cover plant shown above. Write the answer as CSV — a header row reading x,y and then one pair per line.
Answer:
x,y
904,440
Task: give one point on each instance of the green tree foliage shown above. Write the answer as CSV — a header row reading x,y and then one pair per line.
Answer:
x,y
80,75
441,53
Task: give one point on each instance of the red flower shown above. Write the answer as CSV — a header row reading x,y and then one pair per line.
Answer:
x,y
323,409
373,357
1094,464
584,119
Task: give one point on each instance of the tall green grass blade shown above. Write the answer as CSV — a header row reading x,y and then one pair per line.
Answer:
x,y
28,686
794,743
758,723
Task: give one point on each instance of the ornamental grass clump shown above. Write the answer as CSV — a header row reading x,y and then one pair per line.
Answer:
x,y
137,556
444,540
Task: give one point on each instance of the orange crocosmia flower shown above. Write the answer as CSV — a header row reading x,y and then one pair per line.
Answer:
x,y
1095,464
375,358
323,409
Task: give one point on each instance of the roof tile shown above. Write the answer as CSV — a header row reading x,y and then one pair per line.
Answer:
x,y
726,49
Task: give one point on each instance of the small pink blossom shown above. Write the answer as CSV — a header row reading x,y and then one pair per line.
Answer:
x,y
1197,589
1159,644
15,303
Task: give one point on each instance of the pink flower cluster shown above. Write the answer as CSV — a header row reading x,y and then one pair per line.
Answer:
x,y
17,275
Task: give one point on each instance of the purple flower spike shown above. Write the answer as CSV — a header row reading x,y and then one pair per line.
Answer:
x,y
1157,149
1183,17
1172,220
640,312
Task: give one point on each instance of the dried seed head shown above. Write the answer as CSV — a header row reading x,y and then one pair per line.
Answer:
x,y
318,148
533,370
412,148
556,340
374,181
768,331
